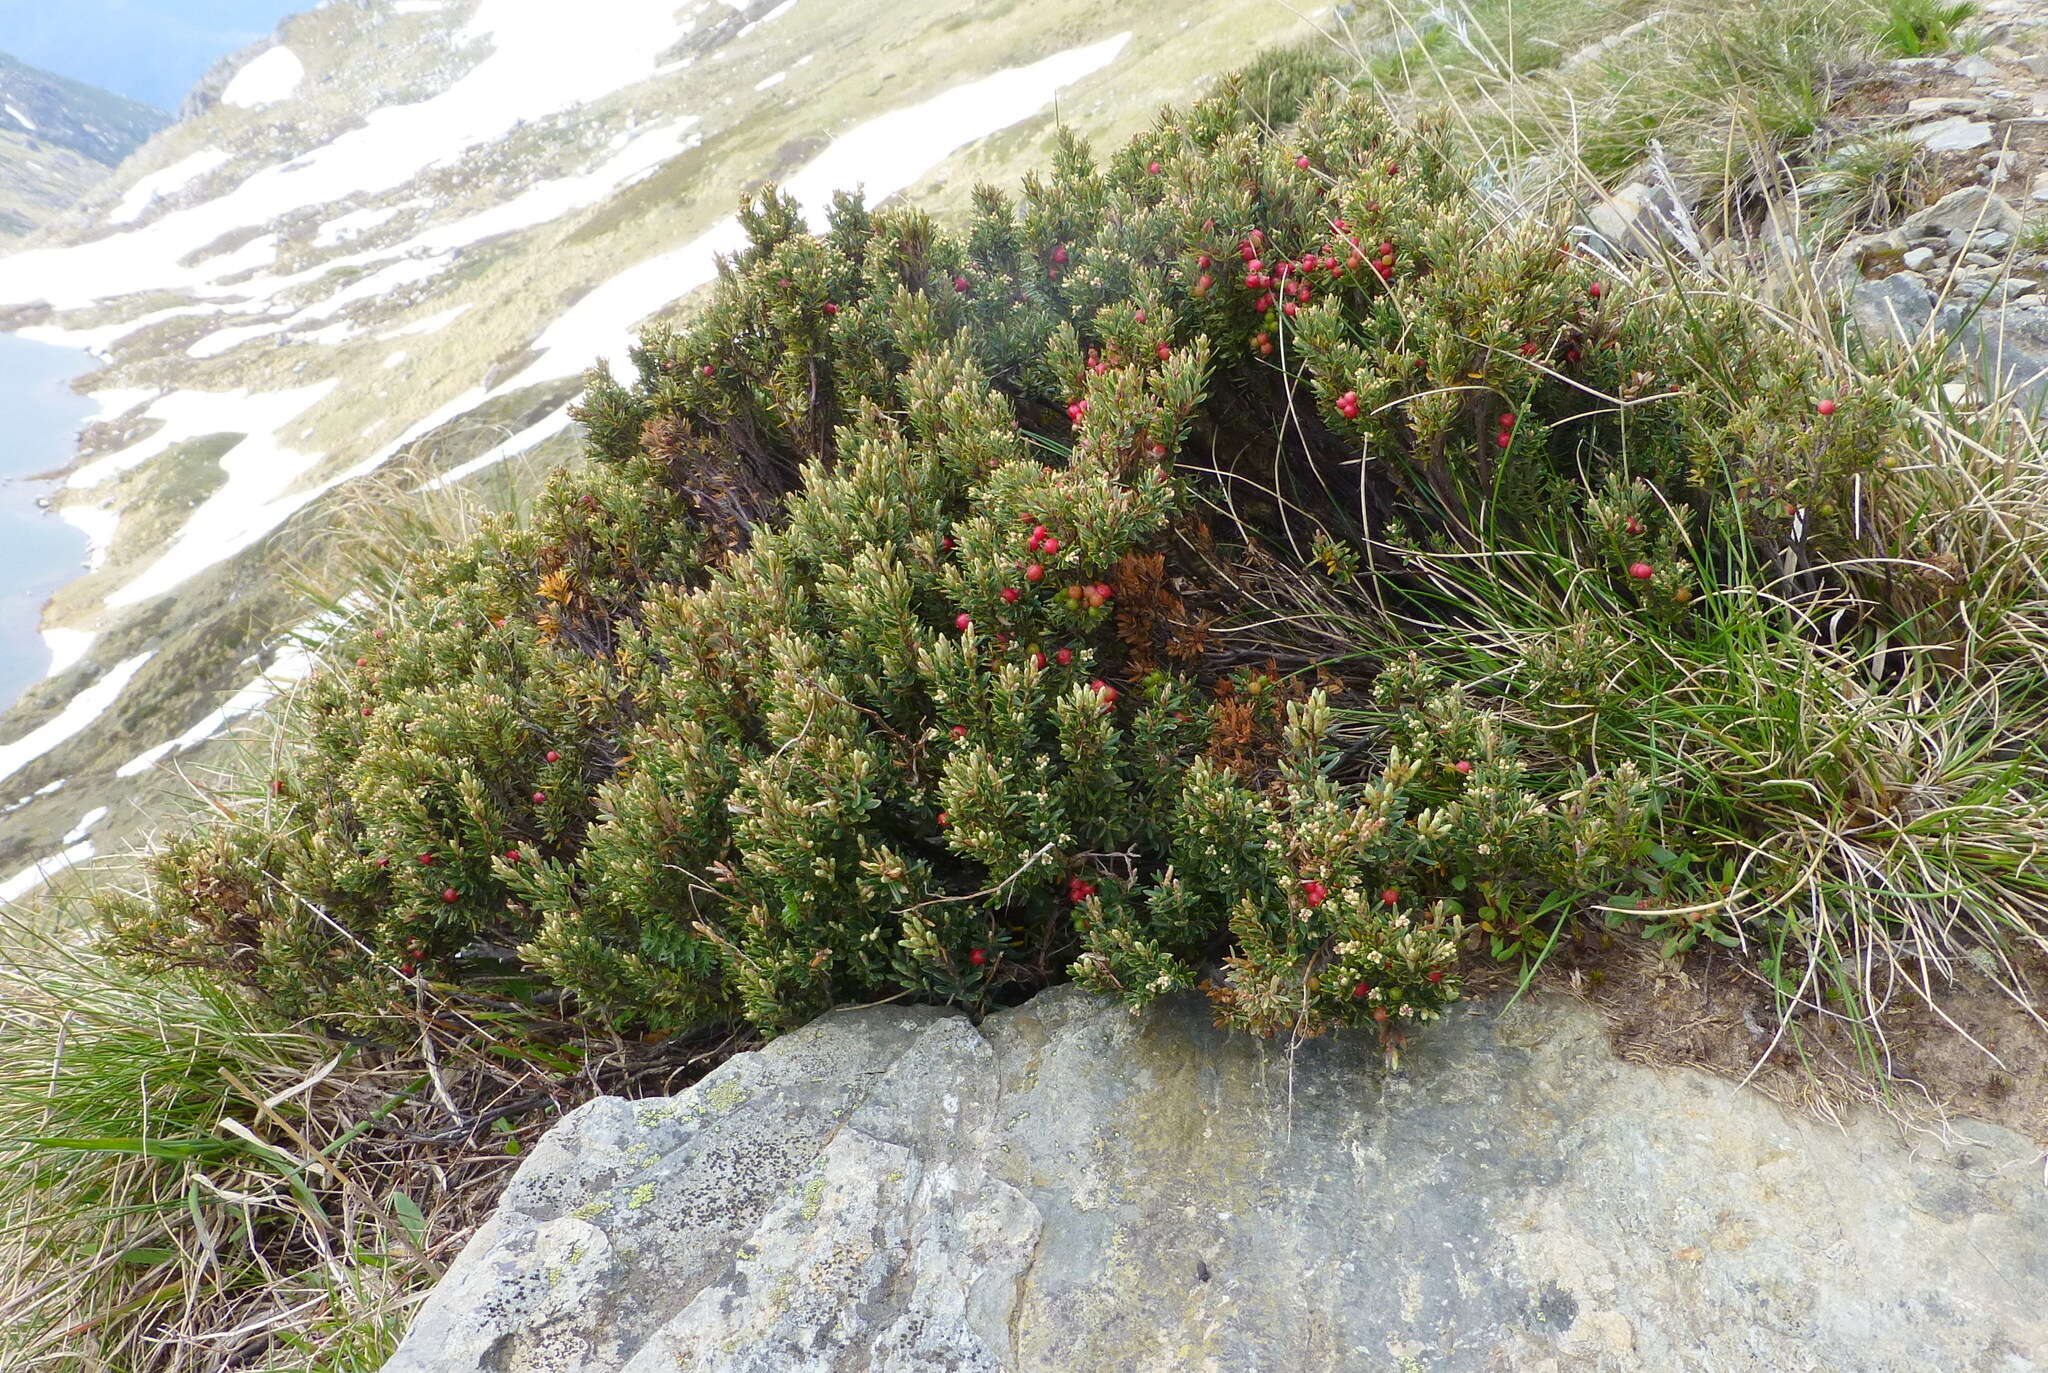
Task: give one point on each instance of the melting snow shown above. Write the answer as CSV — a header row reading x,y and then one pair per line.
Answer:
x,y
97,523
537,65
270,77
84,825
355,224
432,324
254,500
84,708
22,119
166,182
768,82
66,647
784,8
291,665
43,870
190,414
885,155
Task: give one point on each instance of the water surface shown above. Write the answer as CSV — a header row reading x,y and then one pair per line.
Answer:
x,y
39,420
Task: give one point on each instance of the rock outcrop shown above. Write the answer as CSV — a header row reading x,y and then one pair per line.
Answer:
x,y
1066,1187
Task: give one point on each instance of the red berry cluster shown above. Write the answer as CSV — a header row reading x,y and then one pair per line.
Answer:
x,y
1347,405
1506,433
1094,595
1079,889
1314,892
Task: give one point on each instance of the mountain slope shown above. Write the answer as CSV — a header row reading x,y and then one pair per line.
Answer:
x,y
386,245
58,139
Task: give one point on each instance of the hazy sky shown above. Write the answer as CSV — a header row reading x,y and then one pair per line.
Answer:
x,y
148,50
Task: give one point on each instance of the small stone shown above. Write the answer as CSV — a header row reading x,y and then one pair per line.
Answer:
x,y
1952,135
1976,67
1917,258
1929,106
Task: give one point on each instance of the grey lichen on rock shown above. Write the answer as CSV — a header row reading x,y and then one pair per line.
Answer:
x,y
1068,1187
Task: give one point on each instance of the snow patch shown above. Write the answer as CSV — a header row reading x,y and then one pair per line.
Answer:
x,y
84,825
43,870
255,499
540,62
168,181
84,708
355,224
530,437
67,647
770,82
293,663
885,155
22,119
97,523
784,8
272,76
432,324
397,359
190,414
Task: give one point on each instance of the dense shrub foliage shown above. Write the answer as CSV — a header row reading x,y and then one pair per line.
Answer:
x,y
894,637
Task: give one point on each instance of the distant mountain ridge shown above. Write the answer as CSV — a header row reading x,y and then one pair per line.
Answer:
x,y
58,139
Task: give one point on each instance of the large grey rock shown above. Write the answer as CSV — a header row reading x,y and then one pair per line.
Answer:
x,y
1068,1187
1971,210
1895,308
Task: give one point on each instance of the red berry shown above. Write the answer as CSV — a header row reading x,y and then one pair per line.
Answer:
x,y
511,855
977,957
1035,572
554,757
1165,352
944,819
1064,656
383,862
1302,161
406,968
1507,421
963,622
1059,256
1633,525
1642,572
450,895
1049,546
1503,440
1594,290
1393,169
1314,892
1358,992
960,284
1463,765
367,710
1202,261
959,731
830,308
426,860
362,662
1390,896
1826,407
706,369
1009,595
540,798
1038,660
1152,167
1203,283
1288,309
1436,974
